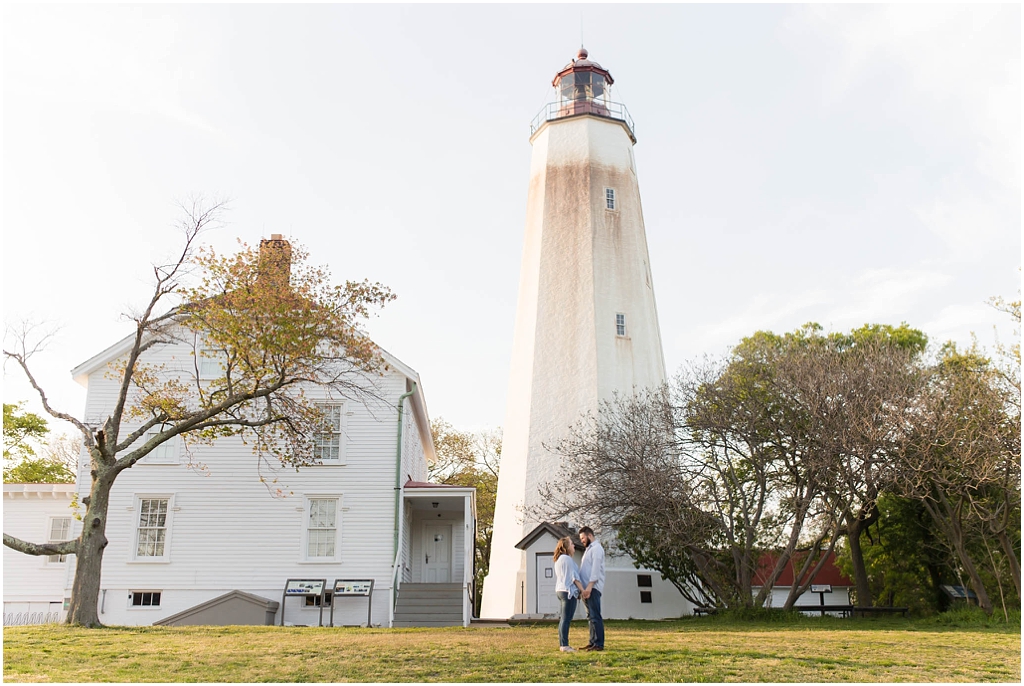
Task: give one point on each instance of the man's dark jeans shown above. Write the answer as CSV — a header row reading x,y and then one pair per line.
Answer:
x,y
593,604
568,610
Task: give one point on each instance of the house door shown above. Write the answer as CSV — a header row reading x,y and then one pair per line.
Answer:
x,y
547,601
437,553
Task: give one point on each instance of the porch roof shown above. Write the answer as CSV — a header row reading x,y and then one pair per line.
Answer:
x,y
425,484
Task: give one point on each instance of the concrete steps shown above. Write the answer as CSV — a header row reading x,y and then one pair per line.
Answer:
x,y
429,605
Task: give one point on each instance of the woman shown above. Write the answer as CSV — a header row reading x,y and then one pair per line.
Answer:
x,y
567,587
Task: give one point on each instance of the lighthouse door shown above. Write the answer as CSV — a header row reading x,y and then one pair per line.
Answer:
x,y
547,601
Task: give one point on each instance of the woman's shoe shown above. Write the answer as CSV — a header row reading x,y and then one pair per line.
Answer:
x,y
567,649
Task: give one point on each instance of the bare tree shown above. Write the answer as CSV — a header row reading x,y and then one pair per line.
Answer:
x,y
263,326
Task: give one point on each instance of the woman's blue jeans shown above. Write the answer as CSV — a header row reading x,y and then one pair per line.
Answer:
x,y
568,610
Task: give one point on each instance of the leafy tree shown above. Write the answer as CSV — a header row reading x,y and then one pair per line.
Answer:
x,y
905,560
21,463
38,471
21,429
464,458
958,452
781,447
263,326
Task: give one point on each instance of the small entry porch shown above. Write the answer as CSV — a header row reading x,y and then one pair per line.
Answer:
x,y
435,565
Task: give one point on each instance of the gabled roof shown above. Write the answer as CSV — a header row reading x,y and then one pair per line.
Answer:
x,y
828,574
555,529
419,403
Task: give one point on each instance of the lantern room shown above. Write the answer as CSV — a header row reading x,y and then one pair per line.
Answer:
x,y
583,87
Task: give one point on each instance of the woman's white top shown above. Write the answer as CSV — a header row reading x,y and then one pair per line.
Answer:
x,y
566,572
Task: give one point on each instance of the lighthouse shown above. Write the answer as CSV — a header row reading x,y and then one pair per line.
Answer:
x,y
586,328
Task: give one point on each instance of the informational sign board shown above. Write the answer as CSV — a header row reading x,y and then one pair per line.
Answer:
x,y
821,590
304,588
353,588
346,587
959,592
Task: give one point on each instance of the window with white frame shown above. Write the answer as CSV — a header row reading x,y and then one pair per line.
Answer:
x,y
620,325
60,531
152,530
328,446
322,528
144,598
609,199
165,453
211,363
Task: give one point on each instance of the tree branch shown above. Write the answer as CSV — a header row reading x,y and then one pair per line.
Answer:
x,y
62,548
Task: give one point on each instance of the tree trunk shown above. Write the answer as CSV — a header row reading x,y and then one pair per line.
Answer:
x,y
85,592
957,539
854,528
1011,555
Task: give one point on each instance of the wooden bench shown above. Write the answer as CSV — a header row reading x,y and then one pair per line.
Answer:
x,y
882,610
845,610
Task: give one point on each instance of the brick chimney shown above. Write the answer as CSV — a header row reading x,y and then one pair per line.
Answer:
x,y
275,266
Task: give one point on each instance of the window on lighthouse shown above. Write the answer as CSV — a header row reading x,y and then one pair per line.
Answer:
x,y
609,198
620,325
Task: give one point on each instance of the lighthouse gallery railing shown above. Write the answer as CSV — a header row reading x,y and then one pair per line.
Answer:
x,y
571,108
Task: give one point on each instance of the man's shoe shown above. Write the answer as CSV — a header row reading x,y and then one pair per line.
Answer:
x,y
596,648
567,649
589,646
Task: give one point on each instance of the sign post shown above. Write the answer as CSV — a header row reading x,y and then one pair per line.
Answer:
x,y
304,588
821,590
353,588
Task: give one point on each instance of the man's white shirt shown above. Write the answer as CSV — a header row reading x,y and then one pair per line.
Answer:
x,y
592,566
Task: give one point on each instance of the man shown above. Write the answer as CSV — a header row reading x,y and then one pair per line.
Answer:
x,y
592,573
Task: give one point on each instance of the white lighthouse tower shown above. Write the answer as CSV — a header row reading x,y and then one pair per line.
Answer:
x,y
586,326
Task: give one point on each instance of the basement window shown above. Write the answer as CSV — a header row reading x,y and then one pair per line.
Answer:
x,y
645,596
314,600
644,580
144,598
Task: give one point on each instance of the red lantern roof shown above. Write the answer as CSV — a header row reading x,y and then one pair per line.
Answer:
x,y
581,64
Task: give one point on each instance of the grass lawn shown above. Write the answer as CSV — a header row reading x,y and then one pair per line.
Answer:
x,y
698,649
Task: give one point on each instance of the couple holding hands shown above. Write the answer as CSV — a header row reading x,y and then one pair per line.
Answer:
x,y
573,583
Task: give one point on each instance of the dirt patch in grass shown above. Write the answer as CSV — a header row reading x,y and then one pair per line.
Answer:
x,y
686,650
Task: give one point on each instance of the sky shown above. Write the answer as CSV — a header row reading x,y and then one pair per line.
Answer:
x,y
838,164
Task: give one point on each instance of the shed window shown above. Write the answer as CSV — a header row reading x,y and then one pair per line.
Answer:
x,y
609,198
60,531
643,580
645,596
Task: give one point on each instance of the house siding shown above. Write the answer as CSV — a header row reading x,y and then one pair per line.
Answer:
x,y
227,530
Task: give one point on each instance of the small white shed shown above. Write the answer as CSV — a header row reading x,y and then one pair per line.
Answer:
x,y
34,585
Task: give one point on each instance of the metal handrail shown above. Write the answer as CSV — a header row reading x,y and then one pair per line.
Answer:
x,y
571,108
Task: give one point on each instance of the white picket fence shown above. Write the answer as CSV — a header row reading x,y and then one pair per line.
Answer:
x,y
23,618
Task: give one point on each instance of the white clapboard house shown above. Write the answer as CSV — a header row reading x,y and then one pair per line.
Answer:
x,y
196,538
